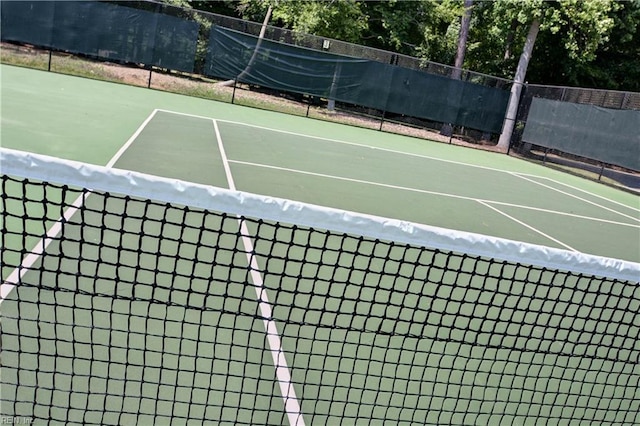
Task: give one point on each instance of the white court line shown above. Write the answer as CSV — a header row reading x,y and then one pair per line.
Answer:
x,y
576,197
40,247
427,157
527,226
322,138
292,406
442,194
575,188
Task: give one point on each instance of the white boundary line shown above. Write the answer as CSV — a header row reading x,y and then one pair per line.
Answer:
x,y
292,406
568,247
575,188
442,194
286,132
576,197
40,247
409,154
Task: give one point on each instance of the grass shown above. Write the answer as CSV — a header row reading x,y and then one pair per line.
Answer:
x,y
24,57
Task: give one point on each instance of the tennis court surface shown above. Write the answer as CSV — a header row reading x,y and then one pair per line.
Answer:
x,y
219,265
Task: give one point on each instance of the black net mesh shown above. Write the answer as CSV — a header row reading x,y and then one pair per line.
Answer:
x,y
139,311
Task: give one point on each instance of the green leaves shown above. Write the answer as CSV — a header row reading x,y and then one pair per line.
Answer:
x,y
343,20
571,32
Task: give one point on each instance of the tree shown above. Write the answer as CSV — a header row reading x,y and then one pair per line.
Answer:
x,y
581,25
516,87
252,60
447,128
616,64
342,20
570,33
462,38
395,25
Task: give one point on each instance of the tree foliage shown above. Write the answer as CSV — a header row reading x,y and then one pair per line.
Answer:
x,y
426,29
617,63
581,42
571,33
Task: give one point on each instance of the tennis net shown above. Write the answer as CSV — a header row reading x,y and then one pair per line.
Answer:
x,y
128,298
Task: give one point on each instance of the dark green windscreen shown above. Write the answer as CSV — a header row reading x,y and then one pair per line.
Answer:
x,y
27,22
608,135
103,30
357,81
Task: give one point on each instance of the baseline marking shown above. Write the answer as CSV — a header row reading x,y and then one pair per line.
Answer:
x,y
292,406
41,246
442,194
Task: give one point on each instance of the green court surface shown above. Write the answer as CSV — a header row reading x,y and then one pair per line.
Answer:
x,y
187,342
316,162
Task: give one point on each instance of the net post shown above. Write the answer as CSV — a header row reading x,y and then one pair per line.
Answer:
x,y
49,64
150,74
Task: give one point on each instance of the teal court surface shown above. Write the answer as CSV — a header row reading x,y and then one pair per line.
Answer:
x,y
136,310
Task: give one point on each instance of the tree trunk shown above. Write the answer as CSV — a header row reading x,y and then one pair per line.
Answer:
x,y
447,128
247,69
510,37
462,39
516,87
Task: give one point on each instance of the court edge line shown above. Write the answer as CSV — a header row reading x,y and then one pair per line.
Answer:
x,y
575,196
286,132
442,194
568,247
410,154
41,246
292,406
635,209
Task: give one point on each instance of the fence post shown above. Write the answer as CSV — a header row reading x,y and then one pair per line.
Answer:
x,y
233,94
625,99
